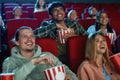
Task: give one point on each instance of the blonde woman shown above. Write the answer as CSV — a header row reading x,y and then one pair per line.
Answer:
x,y
97,65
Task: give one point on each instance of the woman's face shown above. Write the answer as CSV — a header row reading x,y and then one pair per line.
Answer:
x,y
104,19
100,44
41,2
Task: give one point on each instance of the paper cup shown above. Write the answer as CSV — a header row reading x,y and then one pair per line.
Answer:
x,y
115,59
55,73
7,76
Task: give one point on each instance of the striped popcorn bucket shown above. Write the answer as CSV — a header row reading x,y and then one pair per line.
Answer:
x,y
111,36
55,73
61,33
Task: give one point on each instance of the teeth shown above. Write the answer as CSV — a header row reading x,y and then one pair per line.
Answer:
x,y
29,43
59,15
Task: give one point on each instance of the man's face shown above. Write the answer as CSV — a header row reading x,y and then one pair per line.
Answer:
x,y
26,40
18,12
58,13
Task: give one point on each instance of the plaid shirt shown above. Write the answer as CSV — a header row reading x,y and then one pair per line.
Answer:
x,y
49,29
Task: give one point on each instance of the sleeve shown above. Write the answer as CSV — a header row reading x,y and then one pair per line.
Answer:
x,y
91,29
57,62
44,30
115,36
21,73
80,29
82,73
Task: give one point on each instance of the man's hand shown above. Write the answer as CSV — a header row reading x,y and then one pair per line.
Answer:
x,y
68,77
43,60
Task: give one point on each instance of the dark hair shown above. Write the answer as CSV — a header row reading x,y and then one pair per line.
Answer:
x,y
109,29
37,5
17,33
90,9
54,4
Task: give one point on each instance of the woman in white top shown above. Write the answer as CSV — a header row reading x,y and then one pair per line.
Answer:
x,y
40,6
102,25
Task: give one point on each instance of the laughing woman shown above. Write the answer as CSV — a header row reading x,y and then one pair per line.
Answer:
x,y
97,65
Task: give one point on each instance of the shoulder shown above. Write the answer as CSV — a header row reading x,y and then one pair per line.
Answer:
x,y
47,22
91,29
9,60
70,21
92,26
84,65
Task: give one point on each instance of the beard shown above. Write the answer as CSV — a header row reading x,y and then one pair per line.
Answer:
x,y
58,21
29,50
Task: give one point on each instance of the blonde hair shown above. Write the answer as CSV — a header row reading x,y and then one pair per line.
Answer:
x,y
90,52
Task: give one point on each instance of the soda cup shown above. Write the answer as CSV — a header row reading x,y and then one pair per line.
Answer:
x,y
115,59
7,76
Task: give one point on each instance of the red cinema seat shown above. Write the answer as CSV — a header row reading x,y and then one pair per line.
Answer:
x,y
10,4
25,5
9,14
40,16
115,23
30,10
118,43
86,23
76,50
8,8
115,59
14,24
48,44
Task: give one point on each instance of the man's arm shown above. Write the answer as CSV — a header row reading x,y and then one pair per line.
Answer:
x,y
21,73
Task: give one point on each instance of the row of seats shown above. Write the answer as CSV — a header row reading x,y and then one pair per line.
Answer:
x,y
79,7
76,49
13,24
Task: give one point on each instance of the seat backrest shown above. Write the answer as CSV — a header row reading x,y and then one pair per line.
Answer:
x,y
109,45
118,43
76,50
8,8
48,44
14,24
40,16
25,5
30,11
115,23
9,14
86,23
